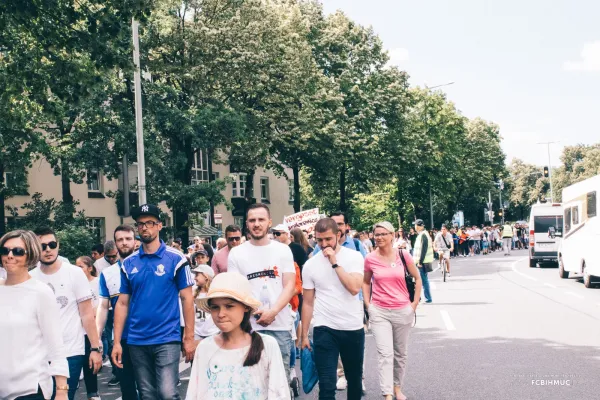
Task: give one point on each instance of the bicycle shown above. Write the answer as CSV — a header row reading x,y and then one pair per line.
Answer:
x,y
443,266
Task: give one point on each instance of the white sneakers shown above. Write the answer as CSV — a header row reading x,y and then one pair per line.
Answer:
x,y
342,383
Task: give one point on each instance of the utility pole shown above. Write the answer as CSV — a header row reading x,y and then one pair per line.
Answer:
x,y
500,187
549,169
139,126
431,206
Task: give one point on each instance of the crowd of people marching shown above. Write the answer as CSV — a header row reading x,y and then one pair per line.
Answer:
x,y
241,313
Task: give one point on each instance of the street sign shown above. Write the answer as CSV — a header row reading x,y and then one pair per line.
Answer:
x,y
218,218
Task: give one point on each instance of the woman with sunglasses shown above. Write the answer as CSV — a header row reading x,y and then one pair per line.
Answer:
x,y
31,340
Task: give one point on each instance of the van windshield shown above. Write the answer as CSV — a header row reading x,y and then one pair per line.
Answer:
x,y
542,223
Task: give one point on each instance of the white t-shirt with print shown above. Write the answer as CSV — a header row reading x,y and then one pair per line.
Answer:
x,y
70,287
335,307
95,287
219,374
204,325
264,267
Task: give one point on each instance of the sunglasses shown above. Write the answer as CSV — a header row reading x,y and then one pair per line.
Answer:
x,y
234,239
52,245
278,233
111,257
16,251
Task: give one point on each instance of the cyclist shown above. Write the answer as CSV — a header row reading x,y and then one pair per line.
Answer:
x,y
444,245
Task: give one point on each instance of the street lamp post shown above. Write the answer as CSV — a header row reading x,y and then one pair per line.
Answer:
x,y
427,131
549,170
139,126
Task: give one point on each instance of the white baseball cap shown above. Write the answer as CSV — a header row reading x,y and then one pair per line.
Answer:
x,y
205,269
281,228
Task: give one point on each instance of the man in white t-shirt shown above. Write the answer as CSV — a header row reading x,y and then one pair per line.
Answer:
x,y
332,280
74,297
269,266
443,244
109,257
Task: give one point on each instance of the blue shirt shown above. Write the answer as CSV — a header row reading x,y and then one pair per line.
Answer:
x,y
349,243
110,286
153,282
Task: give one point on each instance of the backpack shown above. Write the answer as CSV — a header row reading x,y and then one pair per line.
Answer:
x,y
357,244
295,301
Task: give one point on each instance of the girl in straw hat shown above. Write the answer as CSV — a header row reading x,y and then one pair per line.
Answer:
x,y
237,363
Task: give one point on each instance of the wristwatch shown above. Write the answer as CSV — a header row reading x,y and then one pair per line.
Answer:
x,y
96,349
64,387
334,266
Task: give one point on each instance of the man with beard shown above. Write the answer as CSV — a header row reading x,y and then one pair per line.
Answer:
x,y
110,286
269,266
152,281
74,297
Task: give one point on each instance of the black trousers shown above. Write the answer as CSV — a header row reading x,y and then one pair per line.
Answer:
x,y
90,379
350,346
125,375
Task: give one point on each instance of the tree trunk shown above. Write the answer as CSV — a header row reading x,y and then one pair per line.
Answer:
x,y
65,180
181,217
296,171
343,189
248,196
2,199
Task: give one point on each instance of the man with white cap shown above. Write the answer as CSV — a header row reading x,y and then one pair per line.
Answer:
x,y
281,233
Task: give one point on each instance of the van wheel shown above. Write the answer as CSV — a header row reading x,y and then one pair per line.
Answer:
x,y
588,281
532,263
561,269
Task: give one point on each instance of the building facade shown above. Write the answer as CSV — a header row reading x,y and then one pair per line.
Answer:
x,y
104,214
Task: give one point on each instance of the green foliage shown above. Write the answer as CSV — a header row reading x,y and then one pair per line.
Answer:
x,y
75,241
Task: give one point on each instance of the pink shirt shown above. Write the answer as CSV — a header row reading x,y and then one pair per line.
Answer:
x,y
389,284
219,261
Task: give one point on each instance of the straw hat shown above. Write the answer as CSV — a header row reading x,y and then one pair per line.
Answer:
x,y
230,285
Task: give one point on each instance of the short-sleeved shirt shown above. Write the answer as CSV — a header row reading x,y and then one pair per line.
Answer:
x,y
264,267
153,282
70,287
389,282
335,307
110,288
219,261
439,241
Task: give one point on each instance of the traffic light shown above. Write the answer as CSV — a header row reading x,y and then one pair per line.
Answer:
x,y
500,212
546,172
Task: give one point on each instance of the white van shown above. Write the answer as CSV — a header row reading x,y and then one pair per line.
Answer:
x,y
543,247
578,252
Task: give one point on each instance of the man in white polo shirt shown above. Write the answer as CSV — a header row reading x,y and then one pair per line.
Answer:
x,y
332,280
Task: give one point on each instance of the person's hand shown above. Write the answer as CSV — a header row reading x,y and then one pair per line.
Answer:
x,y
117,354
266,317
189,348
330,254
62,395
305,343
414,305
95,361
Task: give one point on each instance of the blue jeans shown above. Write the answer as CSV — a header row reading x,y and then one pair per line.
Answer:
x,y
425,280
285,342
75,368
156,370
293,349
329,344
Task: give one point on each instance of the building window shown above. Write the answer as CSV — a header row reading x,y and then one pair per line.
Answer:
x,y
239,221
238,185
200,168
94,180
575,214
591,205
264,188
291,190
96,225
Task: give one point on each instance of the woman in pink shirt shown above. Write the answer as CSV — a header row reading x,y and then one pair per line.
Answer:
x,y
391,312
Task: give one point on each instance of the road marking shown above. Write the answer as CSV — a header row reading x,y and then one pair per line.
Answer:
x,y
549,285
574,295
447,321
514,268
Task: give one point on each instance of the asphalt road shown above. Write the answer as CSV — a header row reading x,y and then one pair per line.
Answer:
x,y
495,330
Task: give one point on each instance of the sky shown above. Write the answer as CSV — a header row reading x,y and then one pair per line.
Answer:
x,y
531,66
